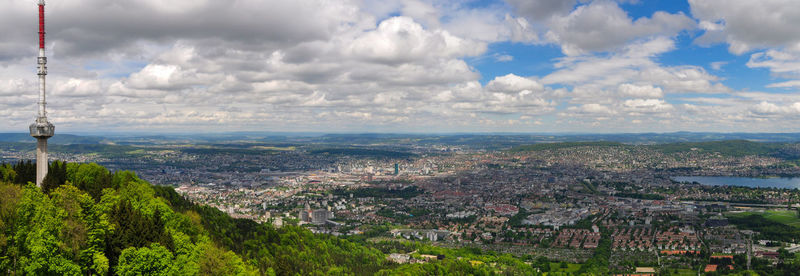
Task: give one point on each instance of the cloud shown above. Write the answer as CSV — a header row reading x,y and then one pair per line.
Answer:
x,y
346,73
401,40
779,62
717,65
748,25
647,106
377,65
586,27
786,84
512,83
634,65
540,10
503,58
770,109
88,27
591,109
604,26
766,27
509,94
490,25
636,91
12,87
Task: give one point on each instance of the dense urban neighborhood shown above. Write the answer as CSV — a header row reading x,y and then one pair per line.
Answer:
x,y
570,203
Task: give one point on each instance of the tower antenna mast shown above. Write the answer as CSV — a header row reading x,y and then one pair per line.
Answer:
x,y
41,129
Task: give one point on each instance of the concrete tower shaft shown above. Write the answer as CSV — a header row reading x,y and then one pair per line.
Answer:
x,y
41,129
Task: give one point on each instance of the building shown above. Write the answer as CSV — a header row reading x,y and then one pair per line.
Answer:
x,y
305,214
320,216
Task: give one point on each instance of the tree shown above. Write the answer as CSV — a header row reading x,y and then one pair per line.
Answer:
x,y
132,228
784,255
7,173
543,264
216,261
91,178
84,229
26,172
8,205
56,176
36,236
153,260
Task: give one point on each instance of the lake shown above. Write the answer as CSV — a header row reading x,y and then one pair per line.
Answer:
x,y
774,182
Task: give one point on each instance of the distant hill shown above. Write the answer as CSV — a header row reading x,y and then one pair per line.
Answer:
x,y
563,145
730,148
736,148
489,141
64,139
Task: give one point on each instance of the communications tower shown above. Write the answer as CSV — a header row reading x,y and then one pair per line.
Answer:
x,y
41,129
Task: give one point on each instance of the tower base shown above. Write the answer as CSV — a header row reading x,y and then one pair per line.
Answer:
x,y
41,160
41,130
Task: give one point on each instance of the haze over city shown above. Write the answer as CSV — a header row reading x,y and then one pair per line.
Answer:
x,y
406,66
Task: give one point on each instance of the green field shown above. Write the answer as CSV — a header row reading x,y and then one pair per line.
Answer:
x,y
685,272
788,217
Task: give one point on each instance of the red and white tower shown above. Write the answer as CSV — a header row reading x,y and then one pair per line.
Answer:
x,y
41,129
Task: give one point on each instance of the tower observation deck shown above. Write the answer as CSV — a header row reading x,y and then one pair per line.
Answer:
x,y
41,129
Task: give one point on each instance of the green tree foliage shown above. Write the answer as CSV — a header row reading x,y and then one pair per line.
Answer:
x,y
598,263
91,178
37,237
122,177
542,263
443,267
153,260
7,173
767,229
133,228
84,228
25,172
56,176
289,250
93,229
8,215
215,261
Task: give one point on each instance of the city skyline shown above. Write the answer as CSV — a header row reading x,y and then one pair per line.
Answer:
x,y
407,66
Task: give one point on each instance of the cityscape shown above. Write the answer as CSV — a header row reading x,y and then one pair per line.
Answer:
x,y
558,200
400,137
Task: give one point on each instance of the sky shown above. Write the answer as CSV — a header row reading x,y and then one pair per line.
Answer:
x,y
437,66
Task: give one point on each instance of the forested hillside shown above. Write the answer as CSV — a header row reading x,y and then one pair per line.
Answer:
x,y
89,221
